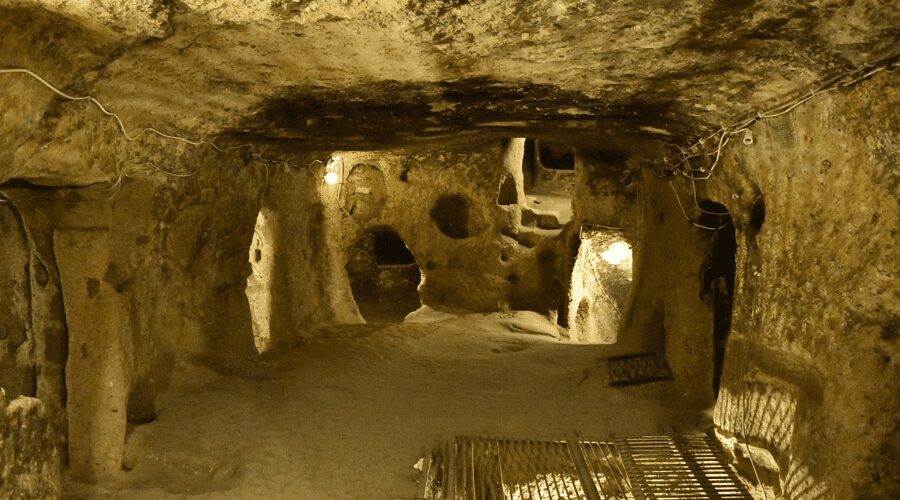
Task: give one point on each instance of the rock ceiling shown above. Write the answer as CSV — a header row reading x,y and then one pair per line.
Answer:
x,y
361,73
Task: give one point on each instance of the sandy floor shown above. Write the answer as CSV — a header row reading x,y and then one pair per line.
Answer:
x,y
349,411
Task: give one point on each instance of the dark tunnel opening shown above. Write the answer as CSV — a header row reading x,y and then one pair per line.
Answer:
x,y
384,276
718,279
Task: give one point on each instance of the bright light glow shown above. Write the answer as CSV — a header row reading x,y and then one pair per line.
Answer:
x,y
617,253
334,170
331,178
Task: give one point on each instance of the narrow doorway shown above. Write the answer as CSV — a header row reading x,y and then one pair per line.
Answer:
x,y
718,279
259,283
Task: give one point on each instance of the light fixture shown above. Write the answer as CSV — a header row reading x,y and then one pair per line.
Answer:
x,y
331,178
617,253
334,170
748,136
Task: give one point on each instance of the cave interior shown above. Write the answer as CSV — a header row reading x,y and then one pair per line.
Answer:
x,y
304,248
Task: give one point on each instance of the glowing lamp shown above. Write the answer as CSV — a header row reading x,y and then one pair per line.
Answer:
x,y
331,178
334,169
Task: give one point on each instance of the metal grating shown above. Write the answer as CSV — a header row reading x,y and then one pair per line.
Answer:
x,y
677,467
649,467
782,130
638,369
516,469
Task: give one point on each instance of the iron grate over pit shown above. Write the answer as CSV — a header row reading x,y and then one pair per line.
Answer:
x,y
676,467
638,369
649,467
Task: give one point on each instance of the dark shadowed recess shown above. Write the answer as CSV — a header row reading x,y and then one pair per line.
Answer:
x,y
386,113
450,214
718,278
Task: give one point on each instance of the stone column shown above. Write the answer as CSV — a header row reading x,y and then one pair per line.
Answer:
x,y
95,370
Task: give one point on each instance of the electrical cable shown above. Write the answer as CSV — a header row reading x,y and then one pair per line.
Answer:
x,y
742,398
151,130
723,133
117,118
682,159
697,203
683,212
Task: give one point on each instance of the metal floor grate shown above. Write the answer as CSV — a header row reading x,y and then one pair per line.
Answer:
x,y
513,469
676,467
638,369
653,467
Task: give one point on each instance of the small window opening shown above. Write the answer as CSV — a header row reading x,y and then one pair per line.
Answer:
x,y
757,215
450,214
529,169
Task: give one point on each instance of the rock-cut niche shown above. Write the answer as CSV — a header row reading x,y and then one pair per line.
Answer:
x,y
450,214
363,192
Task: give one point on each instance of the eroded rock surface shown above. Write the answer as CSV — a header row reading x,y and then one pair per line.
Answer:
x,y
30,463
368,72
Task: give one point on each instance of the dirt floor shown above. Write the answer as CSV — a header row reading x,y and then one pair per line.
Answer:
x,y
348,412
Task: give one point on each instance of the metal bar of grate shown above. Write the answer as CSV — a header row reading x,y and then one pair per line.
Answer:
x,y
638,369
676,467
643,467
491,468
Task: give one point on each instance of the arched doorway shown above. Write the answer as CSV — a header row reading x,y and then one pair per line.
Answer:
x,y
384,276
600,284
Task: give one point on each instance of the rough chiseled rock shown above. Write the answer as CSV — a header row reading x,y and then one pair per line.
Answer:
x,y
368,72
29,450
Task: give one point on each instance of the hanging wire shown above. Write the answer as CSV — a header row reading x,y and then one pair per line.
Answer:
x,y
117,118
680,163
684,213
124,172
697,203
149,130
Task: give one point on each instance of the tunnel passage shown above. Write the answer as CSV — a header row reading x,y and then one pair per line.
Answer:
x,y
718,278
384,276
259,283
601,282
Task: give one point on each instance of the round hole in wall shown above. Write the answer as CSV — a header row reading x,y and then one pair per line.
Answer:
x,y
451,215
